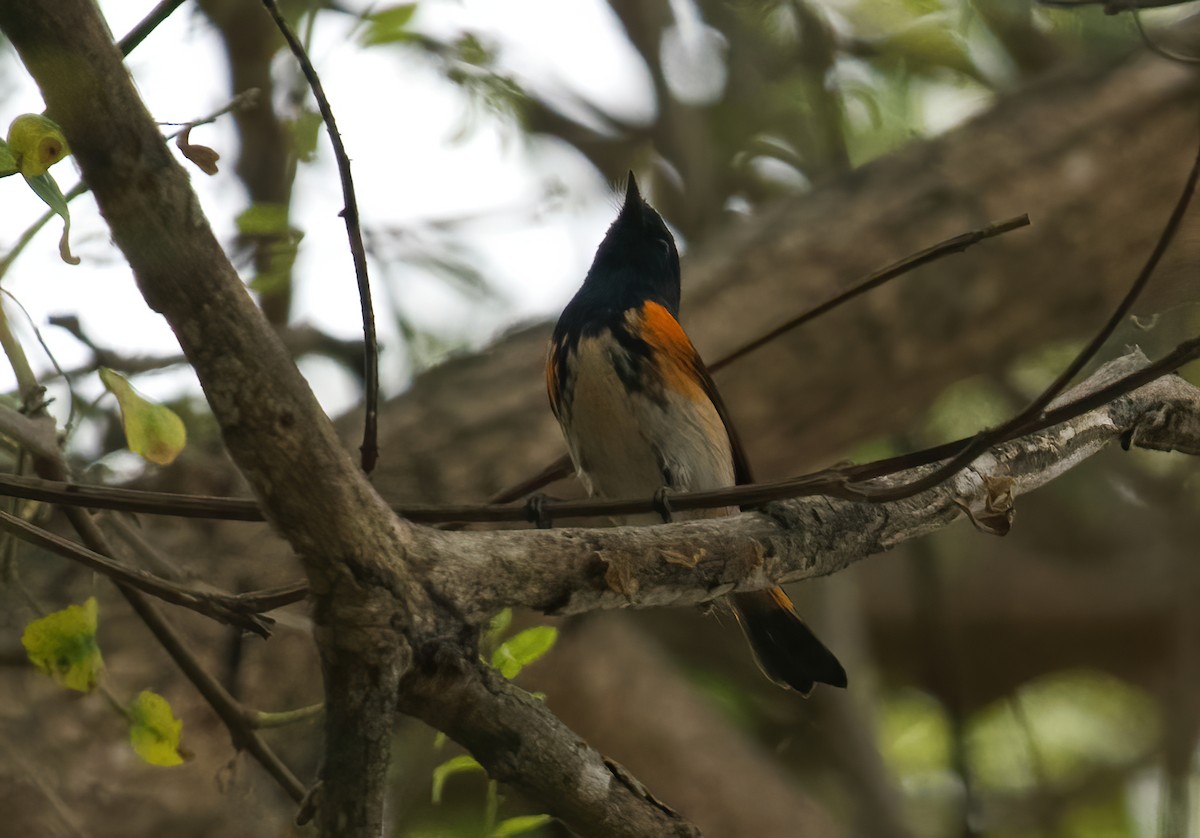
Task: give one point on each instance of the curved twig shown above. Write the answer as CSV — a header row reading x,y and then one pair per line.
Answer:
x,y
370,443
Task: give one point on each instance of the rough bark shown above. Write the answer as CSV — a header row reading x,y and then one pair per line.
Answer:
x,y
271,423
569,571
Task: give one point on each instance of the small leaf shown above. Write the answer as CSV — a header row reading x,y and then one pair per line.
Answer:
x,y
522,649
204,157
496,628
63,645
8,161
154,731
152,430
306,129
519,825
46,188
457,765
263,219
390,25
37,143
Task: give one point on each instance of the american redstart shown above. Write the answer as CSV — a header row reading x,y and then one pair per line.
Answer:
x,y
641,414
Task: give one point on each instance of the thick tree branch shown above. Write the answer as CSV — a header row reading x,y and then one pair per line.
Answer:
x,y
518,740
572,570
275,430
371,614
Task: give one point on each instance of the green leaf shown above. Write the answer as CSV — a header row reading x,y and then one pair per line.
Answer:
x,y
154,731
8,161
46,188
263,219
522,649
37,143
63,645
457,765
390,25
496,628
152,430
519,825
306,129
928,44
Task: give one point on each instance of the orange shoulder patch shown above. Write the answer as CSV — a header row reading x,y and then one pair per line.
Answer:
x,y
678,362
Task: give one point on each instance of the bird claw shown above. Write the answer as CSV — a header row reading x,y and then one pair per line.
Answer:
x,y
662,505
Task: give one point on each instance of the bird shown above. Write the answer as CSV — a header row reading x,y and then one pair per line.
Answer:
x,y
642,417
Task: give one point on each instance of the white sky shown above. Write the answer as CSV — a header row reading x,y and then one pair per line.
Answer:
x,y
540,206
399,122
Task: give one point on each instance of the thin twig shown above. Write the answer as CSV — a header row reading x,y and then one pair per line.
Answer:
x,y
1113,7
264,720
225,705
957,244
51,464
1022,420
37,334
370,443
214,605
832,482
244,99
147,25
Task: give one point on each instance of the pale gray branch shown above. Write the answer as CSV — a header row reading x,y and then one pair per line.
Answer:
x,y
567,571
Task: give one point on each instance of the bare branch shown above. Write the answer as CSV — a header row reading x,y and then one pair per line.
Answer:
x,y
147,25
370,443
956,244
217,605
1112,7
572,570
1084,356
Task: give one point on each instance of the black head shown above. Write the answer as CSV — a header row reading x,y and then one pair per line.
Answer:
x,y
636,261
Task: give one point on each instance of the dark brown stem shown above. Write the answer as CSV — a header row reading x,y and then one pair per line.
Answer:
x,y
370,443
986,439
216,605
370,610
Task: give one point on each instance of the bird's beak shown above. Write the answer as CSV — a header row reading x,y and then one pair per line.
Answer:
x,y
632,196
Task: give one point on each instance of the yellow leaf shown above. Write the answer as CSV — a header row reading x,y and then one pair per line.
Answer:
x,y
8,161
152,430
63,645
154,731
204,157
37,143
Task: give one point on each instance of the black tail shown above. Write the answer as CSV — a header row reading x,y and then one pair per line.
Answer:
x,y
786,649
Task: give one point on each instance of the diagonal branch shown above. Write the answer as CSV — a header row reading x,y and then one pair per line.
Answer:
x,y
219,606
370,443
519,741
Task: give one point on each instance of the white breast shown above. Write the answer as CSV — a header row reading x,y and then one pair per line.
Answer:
x,y
631,445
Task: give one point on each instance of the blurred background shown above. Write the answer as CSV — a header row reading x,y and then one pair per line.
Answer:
x,y
1041,684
